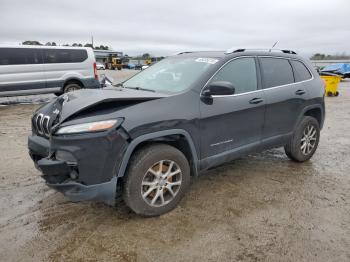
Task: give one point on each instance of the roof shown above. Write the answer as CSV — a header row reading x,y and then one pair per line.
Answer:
x,y
44,46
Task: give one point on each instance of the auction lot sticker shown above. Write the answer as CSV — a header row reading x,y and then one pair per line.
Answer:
x,y
207,60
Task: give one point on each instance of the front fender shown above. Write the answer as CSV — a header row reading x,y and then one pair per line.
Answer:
x,y
134,143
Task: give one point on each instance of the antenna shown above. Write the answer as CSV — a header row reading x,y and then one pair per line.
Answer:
x,y
273,46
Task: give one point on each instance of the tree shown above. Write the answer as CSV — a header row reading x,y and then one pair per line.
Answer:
x,y
88,45
319,56
48,44
146,56
53,44
28,42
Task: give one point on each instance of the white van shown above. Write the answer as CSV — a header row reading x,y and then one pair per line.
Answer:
x,y
28,70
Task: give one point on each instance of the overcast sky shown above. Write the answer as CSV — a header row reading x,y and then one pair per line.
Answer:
x,y
163,27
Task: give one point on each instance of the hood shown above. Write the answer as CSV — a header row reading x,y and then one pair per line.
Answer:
x,y
76,102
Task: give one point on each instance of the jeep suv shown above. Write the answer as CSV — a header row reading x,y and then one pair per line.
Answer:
x,y
146,137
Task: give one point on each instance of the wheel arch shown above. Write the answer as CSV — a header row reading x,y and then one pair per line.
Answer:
x,y
315,111
72,80
165,136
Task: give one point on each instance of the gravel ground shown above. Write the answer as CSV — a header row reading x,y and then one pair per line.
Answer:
x,y
260,208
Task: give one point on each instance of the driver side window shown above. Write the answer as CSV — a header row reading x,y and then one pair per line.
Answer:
x,y
241,73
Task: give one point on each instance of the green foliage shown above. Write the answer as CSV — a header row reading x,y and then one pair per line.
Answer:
x,y
319,56
29,42
101,47
146,56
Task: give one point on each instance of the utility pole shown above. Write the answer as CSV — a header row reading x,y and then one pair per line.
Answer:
x,y
92,41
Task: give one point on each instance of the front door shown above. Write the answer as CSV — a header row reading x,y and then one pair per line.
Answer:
x,y
232,123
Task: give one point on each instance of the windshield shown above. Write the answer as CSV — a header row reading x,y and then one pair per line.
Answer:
x,y
171,75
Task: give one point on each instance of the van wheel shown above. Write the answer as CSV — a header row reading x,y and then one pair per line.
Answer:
x,y
71,87
157,178
304,141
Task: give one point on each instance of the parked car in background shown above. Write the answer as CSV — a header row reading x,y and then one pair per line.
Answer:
x,y
42,69
341,69
138,66
131,66
100,66
144,67
184,115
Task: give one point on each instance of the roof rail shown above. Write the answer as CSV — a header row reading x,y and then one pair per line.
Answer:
x,y
233,50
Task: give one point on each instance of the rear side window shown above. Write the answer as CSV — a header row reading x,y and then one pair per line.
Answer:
x,y
241,73
20,56
300,71
276,72
52,56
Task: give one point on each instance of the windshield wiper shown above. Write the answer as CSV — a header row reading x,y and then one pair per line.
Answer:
x,y
119,85
139,88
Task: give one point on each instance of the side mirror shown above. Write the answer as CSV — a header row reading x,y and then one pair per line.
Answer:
x,y
219,88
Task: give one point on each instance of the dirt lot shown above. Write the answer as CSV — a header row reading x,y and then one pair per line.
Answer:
x,y
259,208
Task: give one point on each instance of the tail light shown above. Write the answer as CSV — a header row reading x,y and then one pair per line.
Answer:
x,y
95,71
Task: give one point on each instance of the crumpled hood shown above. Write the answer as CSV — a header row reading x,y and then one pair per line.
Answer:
x,y
72,103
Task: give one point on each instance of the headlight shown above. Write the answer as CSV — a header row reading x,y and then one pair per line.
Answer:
x,y
87,127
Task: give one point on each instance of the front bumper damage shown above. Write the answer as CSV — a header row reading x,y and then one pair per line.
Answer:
x,y
82,167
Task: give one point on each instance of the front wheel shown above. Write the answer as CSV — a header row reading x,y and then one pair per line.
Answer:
x,y
157,178
304,141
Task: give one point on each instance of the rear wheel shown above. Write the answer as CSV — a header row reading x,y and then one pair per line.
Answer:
x,y
71,87
304,141
156,180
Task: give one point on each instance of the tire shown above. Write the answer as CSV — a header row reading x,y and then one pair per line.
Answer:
x,y
138,174
71,87
307,132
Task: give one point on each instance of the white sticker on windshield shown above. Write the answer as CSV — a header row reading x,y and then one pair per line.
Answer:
x,y
207,60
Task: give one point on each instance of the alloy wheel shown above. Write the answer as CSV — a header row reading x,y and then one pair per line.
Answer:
x,y
308,140
161,183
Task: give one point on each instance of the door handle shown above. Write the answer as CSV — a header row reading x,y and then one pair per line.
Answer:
x,y
256,100
300,92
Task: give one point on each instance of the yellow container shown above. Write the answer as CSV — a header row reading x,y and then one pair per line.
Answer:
x,y
332,83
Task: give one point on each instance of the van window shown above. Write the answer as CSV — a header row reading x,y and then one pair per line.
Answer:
x,y
64,56
276,72
300,71
20,56
241,73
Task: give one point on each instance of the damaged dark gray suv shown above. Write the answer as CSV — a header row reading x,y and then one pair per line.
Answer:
x,y
145,138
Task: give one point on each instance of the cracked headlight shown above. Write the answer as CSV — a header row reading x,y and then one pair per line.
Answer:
x,y
87,127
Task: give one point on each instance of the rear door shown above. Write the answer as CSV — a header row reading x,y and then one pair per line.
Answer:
x,y
284,98
233,122
21,71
